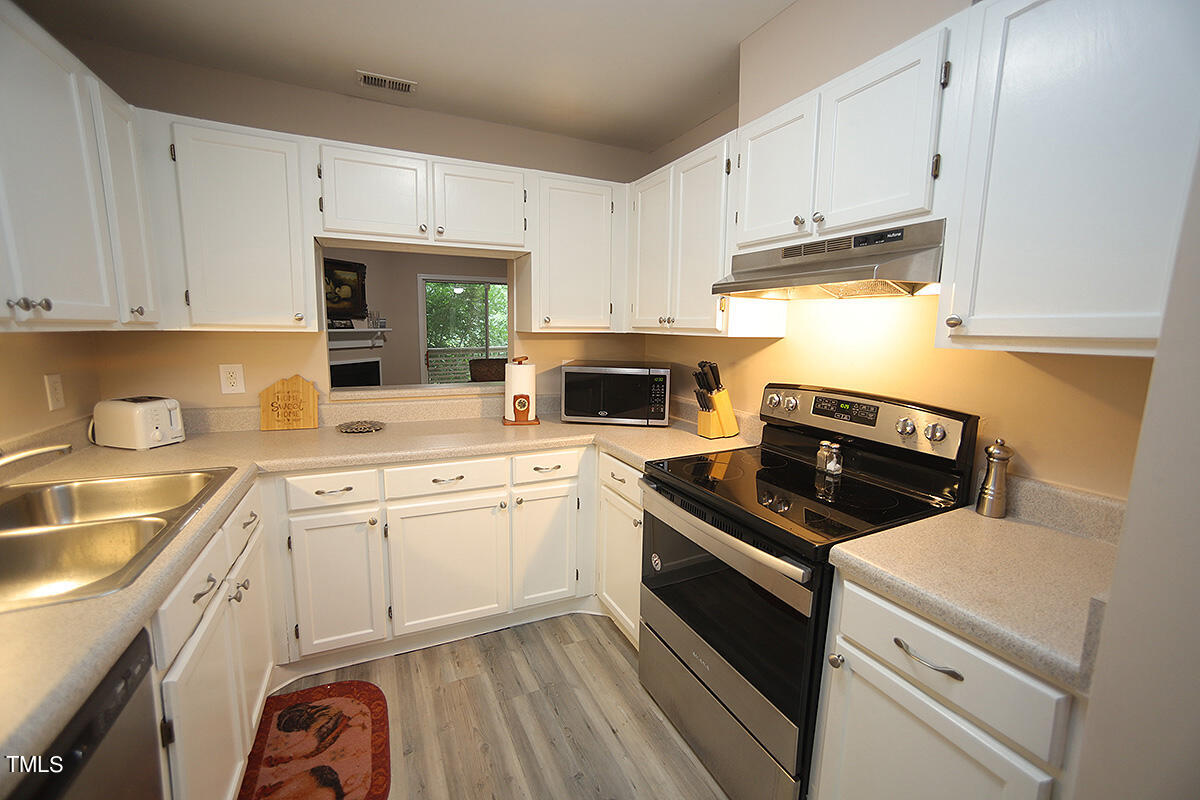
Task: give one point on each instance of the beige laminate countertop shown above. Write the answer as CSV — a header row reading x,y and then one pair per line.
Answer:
x,y
1032,594
55,655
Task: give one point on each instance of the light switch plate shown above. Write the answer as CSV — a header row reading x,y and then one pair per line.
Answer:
x,y
233,381
55,398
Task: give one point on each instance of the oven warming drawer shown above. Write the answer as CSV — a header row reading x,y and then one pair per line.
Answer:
x,y
739,763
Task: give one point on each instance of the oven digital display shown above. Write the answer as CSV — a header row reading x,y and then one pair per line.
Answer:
x,y
846,410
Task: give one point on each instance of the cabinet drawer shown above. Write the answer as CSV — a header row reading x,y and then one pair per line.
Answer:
x,y
244,521
553,465
621,478
1028,711
181,611
332,489
447,476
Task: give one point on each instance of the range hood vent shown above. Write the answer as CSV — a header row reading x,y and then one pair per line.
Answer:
x,y
889,262
373,80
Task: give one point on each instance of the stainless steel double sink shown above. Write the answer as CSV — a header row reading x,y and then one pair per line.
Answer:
x,y
69,540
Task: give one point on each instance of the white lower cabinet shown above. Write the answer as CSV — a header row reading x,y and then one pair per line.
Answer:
x,y
543,543
337,571
620,535
448,558
249,597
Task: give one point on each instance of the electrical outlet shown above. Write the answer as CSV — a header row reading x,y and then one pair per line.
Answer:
x,y
55,398
233,381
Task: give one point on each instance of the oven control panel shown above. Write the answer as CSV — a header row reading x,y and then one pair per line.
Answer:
x,y
906,425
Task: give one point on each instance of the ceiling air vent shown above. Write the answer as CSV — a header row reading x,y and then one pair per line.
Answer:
x,y
374,80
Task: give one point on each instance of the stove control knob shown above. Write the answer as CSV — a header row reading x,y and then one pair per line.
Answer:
x,y
773,400
905,427
790,404
934,432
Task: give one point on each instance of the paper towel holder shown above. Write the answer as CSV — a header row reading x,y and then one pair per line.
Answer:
x,y
518,404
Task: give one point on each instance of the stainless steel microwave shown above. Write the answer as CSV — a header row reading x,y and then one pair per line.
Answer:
x,y
616,393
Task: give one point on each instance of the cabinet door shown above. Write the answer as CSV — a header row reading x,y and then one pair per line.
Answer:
x,y
129,227
621,560
249,596
376,193
575,254
51,190
449,559
885,738
478,205
651,268
1078,169
243,243
543,543
337,566
878,136
202,701
776,167
699,253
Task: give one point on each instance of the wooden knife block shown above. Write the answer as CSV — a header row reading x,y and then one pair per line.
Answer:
x,y
720,423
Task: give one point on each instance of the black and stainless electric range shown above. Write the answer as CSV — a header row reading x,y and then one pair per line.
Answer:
x,y
736,577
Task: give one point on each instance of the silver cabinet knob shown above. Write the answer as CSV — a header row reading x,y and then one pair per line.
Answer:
x,y
243,584
798,220
441,229
423,227
773,400
520,500
236,596
934,432
372,521
662,320
139,310
836,660
23,303
953,321
637,523
818,217
298,317
905,427
670,320
503,505
546,320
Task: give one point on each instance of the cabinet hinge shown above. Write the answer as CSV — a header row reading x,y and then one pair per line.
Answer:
x,y
389,612
319,171
289,543
526,223
735,217
739,160
166,732
187,297
576,576
610,310
945,74
385,530
321,204
577,505
728,166
612,207
172,151
936,169
724,304
296,631
526,195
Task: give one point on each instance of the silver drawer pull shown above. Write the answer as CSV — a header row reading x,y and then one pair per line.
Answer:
x,y
949,671
547,469
253,518
212,584
617,477
344,489
455,479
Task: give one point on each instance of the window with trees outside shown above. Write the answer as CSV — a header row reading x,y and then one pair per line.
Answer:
x,y
463,320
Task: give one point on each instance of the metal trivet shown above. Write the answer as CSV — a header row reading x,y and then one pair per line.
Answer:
x,y
360,426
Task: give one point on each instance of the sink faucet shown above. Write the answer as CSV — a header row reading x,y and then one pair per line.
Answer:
x,y
34,451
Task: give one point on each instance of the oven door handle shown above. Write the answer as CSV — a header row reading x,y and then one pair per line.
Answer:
x,y
746,559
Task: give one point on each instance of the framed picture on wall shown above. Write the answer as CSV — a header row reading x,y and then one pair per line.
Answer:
x,y
345,289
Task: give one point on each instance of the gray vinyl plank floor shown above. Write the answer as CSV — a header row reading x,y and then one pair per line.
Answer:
x,y
548,710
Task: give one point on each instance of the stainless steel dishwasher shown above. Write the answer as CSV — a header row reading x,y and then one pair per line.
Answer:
x,y
110,747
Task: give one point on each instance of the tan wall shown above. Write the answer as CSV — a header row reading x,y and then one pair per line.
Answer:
x,y
392,292
1072,419
813,41
717,125
24,358
172,86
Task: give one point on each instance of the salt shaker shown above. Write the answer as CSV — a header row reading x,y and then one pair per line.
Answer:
x,y
993,492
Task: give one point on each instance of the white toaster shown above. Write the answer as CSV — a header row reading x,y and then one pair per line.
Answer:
x,y
137,423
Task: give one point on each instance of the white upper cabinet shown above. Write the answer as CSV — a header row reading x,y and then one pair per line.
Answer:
x,y
243,242
575,254
650,263
698,258
52,209
129,225
373,192
878,137
478,205
776,172
1081,148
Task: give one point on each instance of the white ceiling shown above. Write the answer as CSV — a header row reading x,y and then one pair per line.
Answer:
x,y
632,73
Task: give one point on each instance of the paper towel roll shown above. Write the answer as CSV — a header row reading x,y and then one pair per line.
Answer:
x,y
520,378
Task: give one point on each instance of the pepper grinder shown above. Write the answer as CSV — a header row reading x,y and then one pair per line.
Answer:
x,y
993,492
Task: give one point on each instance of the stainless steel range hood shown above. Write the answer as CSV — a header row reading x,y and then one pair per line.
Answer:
x,y
888,262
